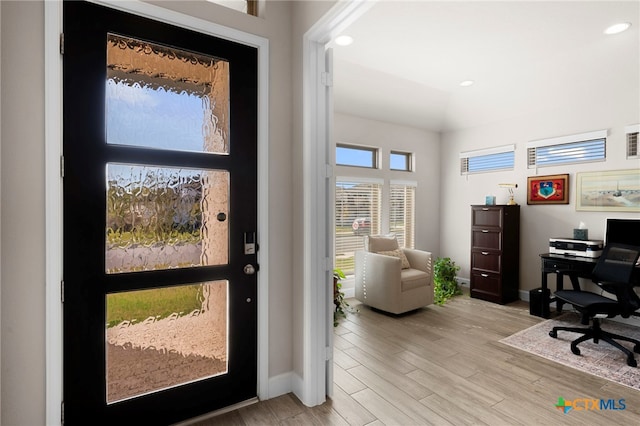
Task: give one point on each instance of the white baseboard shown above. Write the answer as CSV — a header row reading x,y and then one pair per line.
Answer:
x,y
297,386
280,385
464,282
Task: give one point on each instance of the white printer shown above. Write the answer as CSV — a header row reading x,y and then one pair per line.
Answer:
x,y
573,247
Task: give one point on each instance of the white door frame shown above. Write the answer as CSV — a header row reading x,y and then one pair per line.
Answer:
x,y
53,183
318,247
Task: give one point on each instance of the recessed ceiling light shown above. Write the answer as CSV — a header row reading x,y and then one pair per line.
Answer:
x,y
617,28
466,83
344,40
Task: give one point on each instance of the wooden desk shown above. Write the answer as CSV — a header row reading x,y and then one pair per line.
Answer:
x,y
562,265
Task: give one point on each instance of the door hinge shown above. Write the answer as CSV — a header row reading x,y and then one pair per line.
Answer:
x,y
62,166
326,78
328,171
328,264
62,43
62,291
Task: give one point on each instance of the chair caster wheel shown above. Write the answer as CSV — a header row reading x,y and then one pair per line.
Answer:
x,y
575,350
631,362
553,334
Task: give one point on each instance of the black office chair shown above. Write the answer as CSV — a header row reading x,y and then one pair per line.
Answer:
x,y
613,274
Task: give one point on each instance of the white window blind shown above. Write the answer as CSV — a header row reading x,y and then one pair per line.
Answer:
x,y
402,212
584,147
487,160
358,207
632,140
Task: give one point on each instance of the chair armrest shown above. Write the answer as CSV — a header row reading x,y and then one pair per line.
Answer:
x,y
380,267
379,275
419,259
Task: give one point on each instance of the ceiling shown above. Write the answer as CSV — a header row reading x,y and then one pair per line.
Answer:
x,y
408,58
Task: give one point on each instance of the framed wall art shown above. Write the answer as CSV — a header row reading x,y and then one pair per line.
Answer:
x,y
551,189
615,190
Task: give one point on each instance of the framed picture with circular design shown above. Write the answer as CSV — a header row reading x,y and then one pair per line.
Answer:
x,y
551,189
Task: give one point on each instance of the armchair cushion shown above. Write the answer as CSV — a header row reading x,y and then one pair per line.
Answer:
x,y
378,243
419,259
400,255
412,278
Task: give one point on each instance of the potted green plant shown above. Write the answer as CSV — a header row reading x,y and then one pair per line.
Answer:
x,y
444,280
338,297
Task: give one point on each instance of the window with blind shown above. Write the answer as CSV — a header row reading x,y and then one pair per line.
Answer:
x,y
487,160
632,140
580,148
358,207
402,212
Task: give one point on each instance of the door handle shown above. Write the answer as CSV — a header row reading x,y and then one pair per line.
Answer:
x,y
249,269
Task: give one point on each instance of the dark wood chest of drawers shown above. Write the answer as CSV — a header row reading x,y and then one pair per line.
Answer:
x,y
495,253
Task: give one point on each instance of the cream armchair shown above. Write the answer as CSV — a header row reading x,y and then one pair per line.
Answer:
x,y
393,279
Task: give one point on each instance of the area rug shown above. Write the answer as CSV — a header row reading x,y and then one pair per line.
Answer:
x,y
602,360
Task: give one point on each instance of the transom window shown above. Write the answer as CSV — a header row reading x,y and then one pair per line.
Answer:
x,y
487,160
400,161
580,148
356,156
246,6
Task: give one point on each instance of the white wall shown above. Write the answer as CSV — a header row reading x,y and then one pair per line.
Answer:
x,y
22,244
611,102
423,144
22,182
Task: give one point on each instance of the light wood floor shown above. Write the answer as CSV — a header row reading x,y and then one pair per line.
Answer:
x,y
442,365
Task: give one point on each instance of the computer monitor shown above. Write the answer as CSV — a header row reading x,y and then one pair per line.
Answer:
x,y
623,231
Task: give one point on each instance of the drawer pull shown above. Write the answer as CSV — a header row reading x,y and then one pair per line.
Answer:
x,y
485,209
485,275
485,230
484,253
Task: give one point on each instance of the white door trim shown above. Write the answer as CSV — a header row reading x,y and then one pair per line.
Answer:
x,y
317,210
53,213
53,201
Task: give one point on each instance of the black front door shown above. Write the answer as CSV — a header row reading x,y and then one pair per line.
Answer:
x,y
160,160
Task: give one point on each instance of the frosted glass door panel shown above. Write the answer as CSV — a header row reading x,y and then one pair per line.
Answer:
x,y
162,338
166,98
162,218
